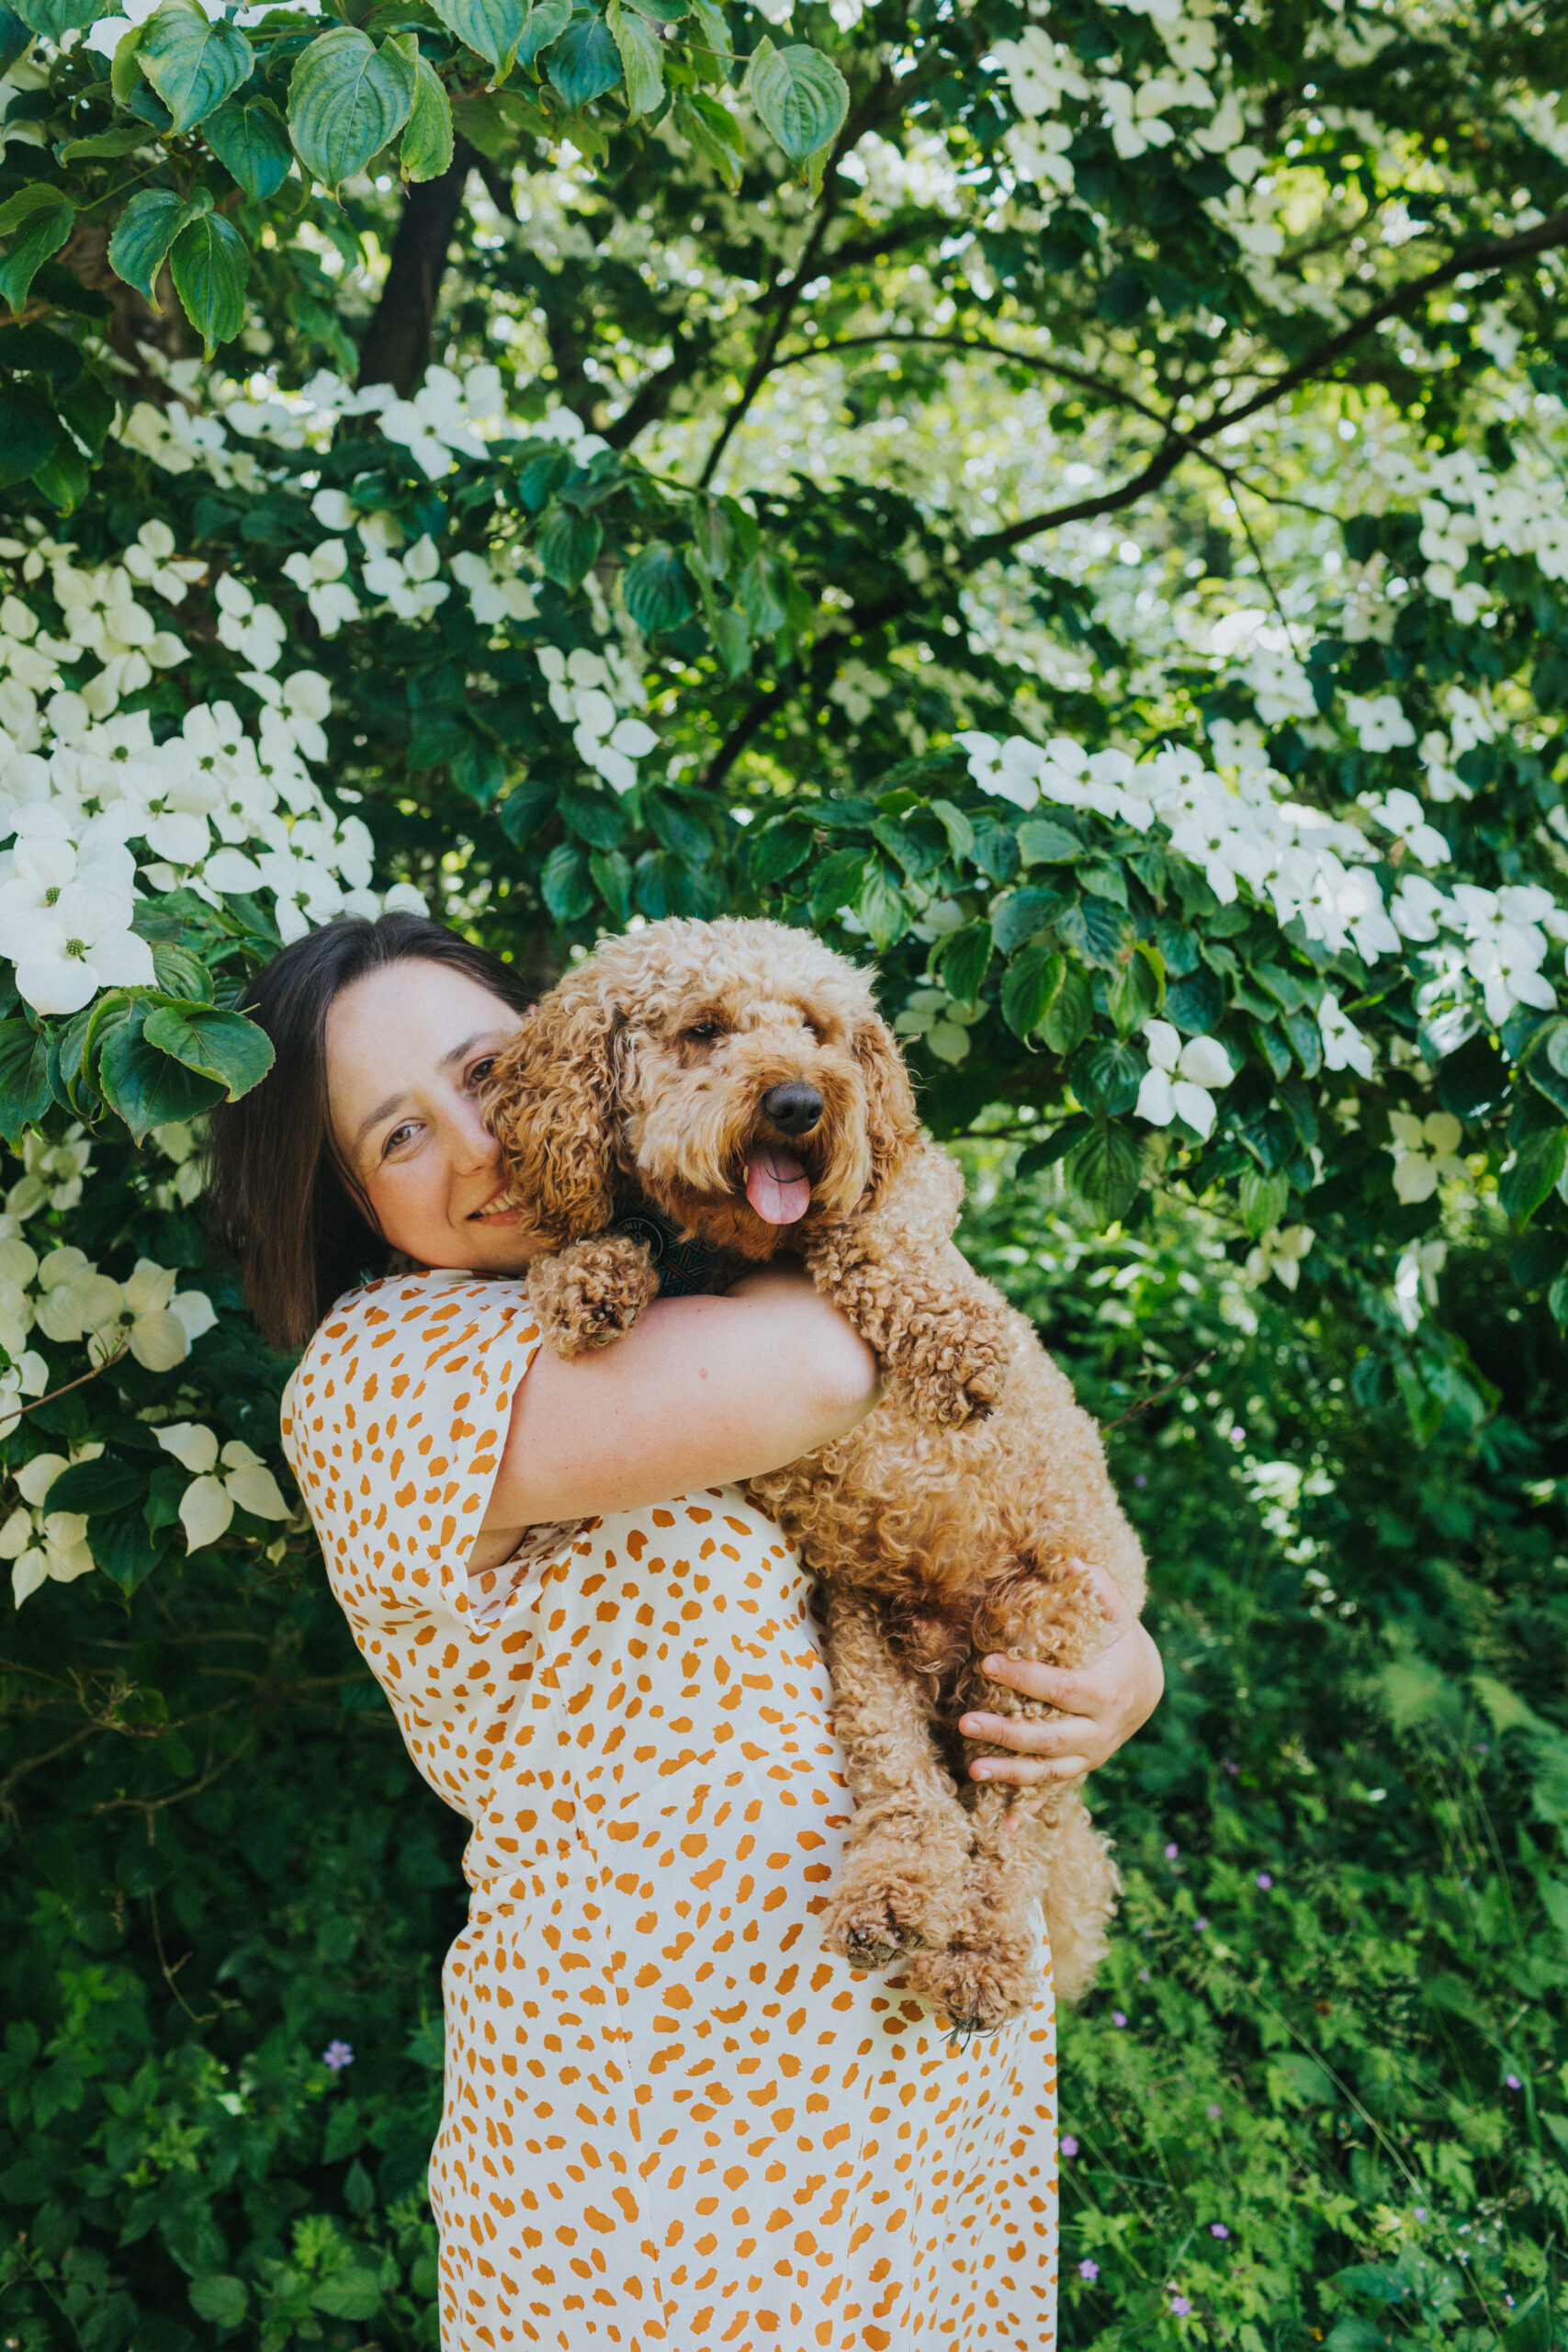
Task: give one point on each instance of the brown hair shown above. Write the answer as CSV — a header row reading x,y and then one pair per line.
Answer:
x,y
277,1200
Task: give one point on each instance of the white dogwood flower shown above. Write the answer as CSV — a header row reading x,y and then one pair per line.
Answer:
x,y
1279,1254
1343,1047
320,575
1424,1152
46,1547
1180,1080
77,1300
1379,721
208,1505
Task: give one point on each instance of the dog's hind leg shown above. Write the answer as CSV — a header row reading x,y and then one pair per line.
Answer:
x,y
989,1971
901,1880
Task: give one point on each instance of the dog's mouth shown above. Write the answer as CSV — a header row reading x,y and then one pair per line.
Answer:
x,y
776,1185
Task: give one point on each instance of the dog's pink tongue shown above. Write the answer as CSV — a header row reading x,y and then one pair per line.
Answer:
x,y
777,1187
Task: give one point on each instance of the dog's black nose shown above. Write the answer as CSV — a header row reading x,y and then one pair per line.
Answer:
x,y
793,1107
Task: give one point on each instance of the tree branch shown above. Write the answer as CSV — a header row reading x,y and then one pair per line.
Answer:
x,y
396,349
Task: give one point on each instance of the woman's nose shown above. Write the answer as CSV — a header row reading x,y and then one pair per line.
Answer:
x,y
473,1145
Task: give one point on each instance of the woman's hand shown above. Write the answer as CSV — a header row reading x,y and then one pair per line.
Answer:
x,y
1101,1705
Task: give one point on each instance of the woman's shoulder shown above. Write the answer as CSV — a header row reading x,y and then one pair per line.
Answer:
x,y
399,1321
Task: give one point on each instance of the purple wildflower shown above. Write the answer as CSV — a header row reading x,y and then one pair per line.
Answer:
x,y
1118,2017
1420,2213
1213,2113
337,2055
1513,2082
1180,2306
1087,2269
1171,1852
1264,1881
1069,2145
1139,1481
1230,1766
1201,1925
1218,2229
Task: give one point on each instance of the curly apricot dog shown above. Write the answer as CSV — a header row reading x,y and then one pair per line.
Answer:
x,y
738,1078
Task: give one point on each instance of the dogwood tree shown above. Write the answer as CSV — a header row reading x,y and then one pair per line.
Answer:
x,y
1068,502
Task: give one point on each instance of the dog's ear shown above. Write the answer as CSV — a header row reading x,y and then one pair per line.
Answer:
x,y
550,1101
892,1127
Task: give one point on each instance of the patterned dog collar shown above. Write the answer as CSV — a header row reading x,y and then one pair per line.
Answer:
x,y
686,1267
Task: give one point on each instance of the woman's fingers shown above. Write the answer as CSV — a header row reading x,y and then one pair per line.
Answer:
x,y
1049,1736
1028,1772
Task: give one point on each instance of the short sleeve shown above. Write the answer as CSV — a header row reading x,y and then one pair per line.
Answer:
x,y
394,1424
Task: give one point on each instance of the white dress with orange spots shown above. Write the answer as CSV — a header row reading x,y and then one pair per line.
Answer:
x,y
671,2117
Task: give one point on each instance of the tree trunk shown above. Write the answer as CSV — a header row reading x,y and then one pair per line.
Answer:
x,y
396,349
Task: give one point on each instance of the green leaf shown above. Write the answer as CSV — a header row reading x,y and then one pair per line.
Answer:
x,y
210,262
1263,1201
16,38
612,879
349,2295
64,476
28,434
1069,1016
1197,1003
585,63
101,1486
1105,1170
1022,913
712,36
1106,1077
1043,842
193,63
491,28
346,100
25,1090
882,907
568,543
252,144
1534,1170
564,883
56,16
548,20
800,96
657,590
124,140
1029,986
764,587
125,67
220,2299
641,62
125,1551
44,230
149,1088
222,1045
956,826
731,642
1132,992
712,130
778,849
143,235
964,959
426,150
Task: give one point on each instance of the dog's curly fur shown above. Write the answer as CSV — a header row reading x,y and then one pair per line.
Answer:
x,y
947,1525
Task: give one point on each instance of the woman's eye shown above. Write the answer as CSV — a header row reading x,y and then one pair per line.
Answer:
x,y
399,1136
479,1070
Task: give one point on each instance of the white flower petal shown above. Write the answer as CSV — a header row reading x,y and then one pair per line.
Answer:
x,y
1163,1044
1205,1062
192,1443
1195,1105
159,1341
205,1512
1156,1103
255,1489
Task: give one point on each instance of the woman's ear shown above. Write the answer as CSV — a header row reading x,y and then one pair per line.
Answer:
x,y
550,1102
892,1128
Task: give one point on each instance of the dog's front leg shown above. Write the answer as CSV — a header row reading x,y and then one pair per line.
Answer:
x,y
591,1291
942,1336
901,1880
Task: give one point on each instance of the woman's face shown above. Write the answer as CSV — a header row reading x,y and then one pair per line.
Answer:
x,y
407,1048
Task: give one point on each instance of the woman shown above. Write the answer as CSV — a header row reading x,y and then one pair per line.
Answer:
x,y
670,2117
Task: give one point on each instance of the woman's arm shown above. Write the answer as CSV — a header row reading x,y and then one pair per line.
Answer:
x,y
699,1392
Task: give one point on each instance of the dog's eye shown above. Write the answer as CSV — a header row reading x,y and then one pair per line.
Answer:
x,y
703,1032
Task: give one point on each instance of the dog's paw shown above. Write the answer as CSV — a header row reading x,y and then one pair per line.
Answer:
x,y
979,1986
897,1896
590,1293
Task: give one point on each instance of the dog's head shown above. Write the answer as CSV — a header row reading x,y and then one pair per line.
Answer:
x,y
737,1074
